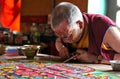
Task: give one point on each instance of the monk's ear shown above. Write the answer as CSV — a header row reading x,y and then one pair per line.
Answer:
x,y
80,24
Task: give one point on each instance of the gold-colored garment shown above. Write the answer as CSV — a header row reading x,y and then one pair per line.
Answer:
x,y
83,43
105,47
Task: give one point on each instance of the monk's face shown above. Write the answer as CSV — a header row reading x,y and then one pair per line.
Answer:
x,y
68,33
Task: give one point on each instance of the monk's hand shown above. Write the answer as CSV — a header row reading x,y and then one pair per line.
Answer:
x,y
104,61
63,50
86,57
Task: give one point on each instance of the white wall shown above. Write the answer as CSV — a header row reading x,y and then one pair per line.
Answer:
x,y
97,6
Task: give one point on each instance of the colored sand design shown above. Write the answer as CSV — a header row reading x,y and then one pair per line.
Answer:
x,y
46,70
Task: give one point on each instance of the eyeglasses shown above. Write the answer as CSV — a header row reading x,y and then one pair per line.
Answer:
x,y
61,35
64,34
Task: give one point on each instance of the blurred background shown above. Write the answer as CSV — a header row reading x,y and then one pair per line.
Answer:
x,y
28,21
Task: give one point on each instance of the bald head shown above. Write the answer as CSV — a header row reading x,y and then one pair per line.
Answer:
x,y
65,11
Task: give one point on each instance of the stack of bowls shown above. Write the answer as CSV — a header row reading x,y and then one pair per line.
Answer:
x,y
11,51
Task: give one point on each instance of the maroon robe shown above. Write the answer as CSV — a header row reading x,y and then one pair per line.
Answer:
x,y
97,27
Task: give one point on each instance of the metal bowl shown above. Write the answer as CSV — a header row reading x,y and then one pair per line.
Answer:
x,y
115,64
29,53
